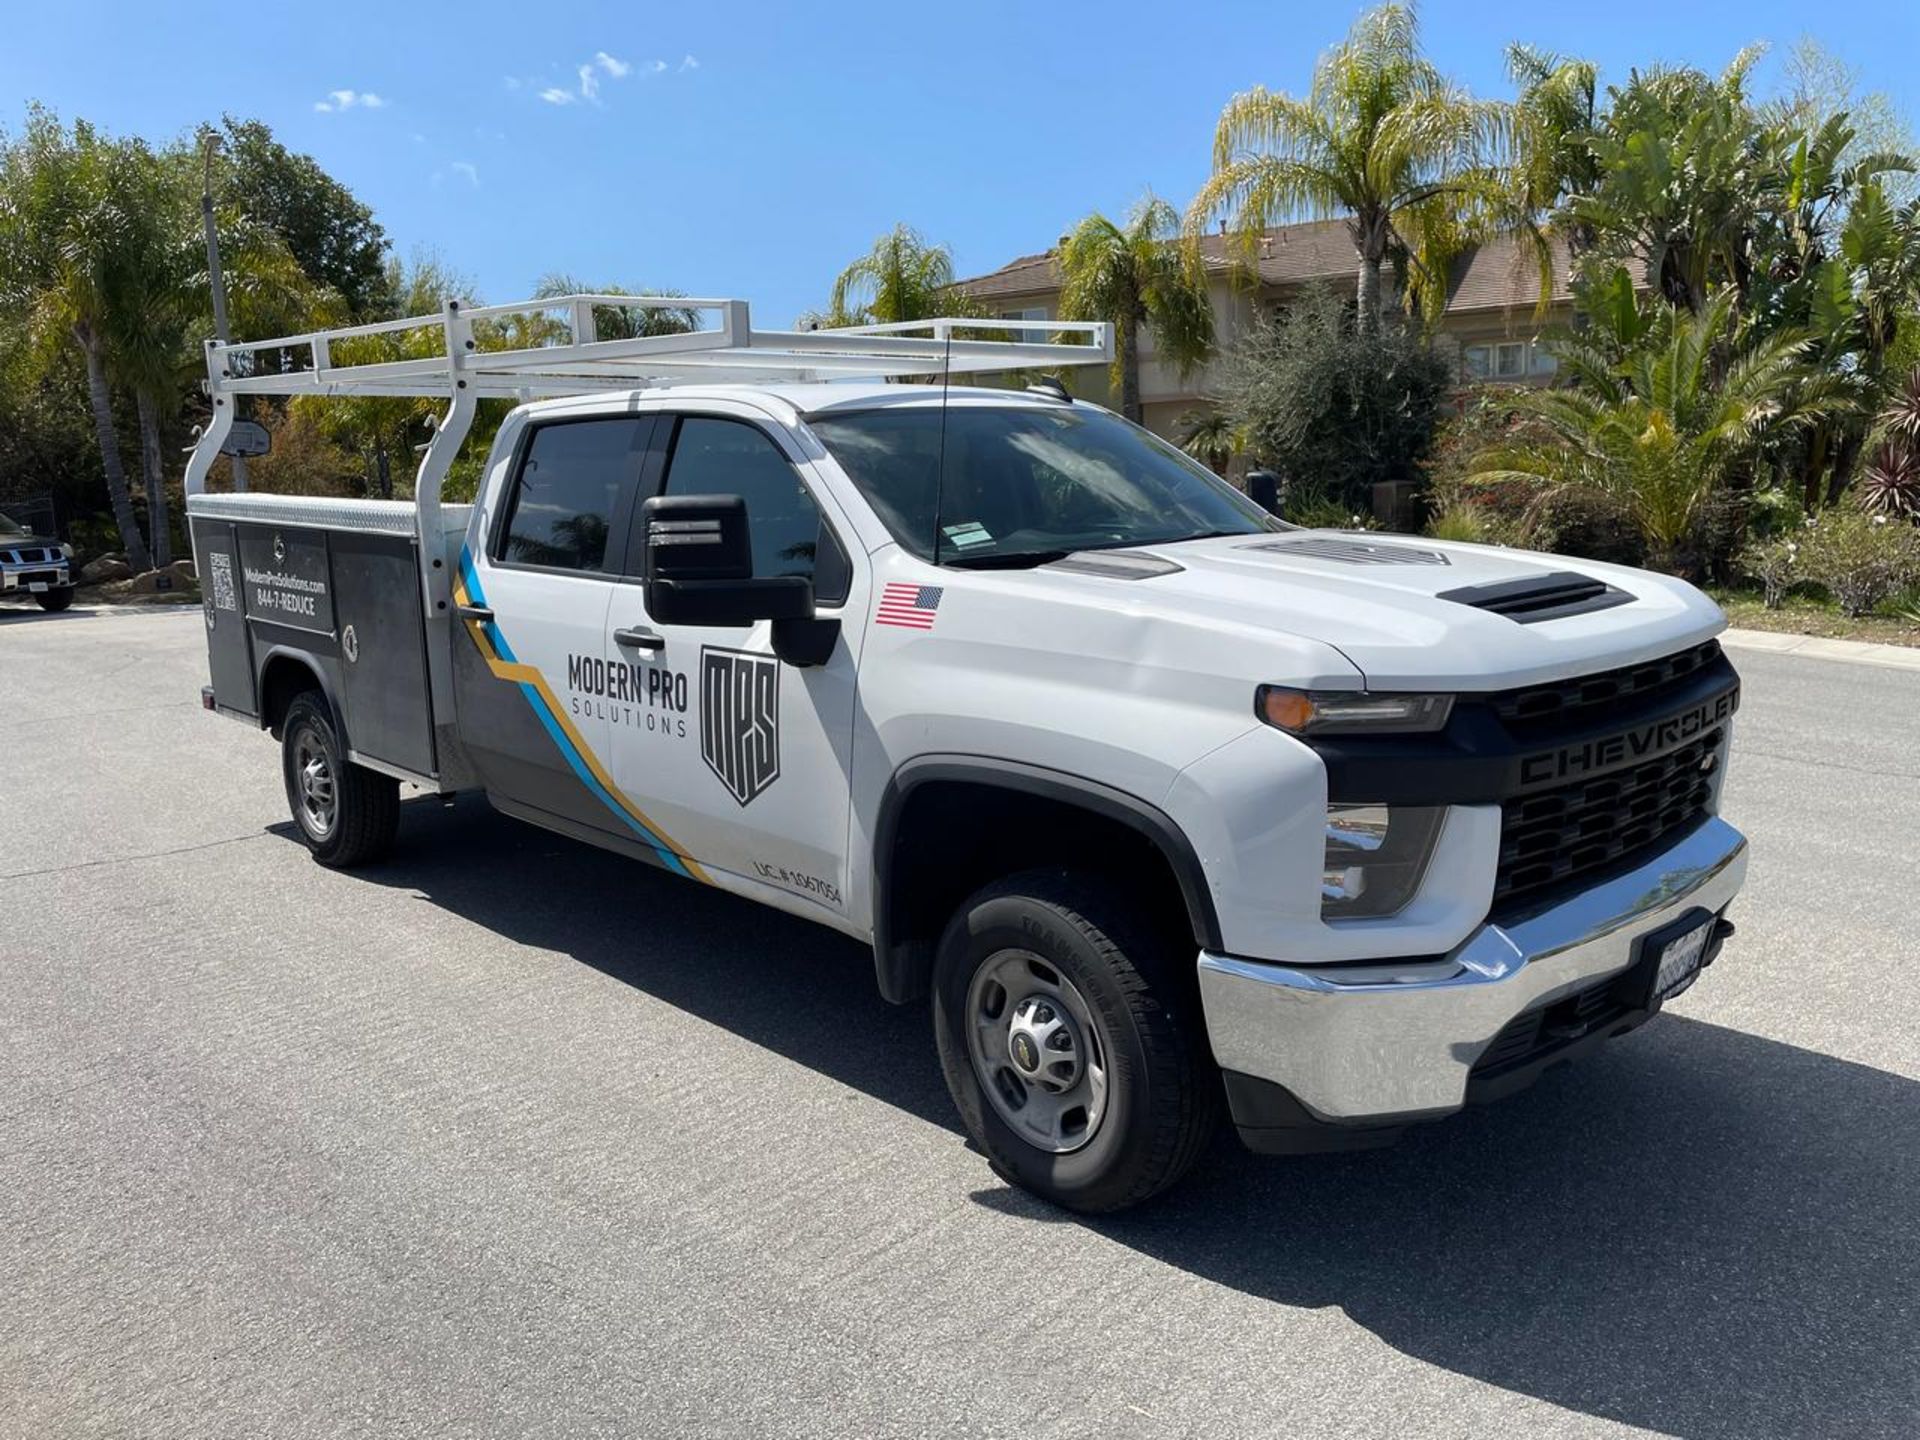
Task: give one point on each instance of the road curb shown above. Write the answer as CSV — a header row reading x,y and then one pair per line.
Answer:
x,y
1817,647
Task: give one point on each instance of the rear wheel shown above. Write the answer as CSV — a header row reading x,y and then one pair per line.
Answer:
x,y
55,599
1071,1039
345,813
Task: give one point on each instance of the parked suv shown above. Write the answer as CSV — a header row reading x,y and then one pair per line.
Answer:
x,y
36,565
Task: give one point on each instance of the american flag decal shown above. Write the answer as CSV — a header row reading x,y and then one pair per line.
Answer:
x,y
910,606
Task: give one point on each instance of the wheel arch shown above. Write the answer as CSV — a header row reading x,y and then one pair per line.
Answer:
x,y
284,673
912,893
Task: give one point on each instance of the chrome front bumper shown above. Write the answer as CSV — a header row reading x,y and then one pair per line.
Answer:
x,y
54,574
1377,1044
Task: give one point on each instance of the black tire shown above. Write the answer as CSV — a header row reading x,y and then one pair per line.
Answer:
x,y
55,599
1163,1093
358,824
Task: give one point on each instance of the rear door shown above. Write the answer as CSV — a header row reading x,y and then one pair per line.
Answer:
x,y
532,601
740,760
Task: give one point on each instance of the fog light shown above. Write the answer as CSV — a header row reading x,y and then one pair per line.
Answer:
x,y
1375,857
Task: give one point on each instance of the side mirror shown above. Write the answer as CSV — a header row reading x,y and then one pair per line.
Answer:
x,y
699,566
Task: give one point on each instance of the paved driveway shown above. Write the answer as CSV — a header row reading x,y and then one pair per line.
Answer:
x,y
509,1137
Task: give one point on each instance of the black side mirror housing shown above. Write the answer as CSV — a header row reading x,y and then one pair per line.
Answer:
x,y
699,566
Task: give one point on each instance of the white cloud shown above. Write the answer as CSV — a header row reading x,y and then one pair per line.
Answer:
x,y
689,63
468,169
348,100
590,77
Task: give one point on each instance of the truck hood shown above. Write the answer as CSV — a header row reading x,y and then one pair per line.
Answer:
x,y
1413,614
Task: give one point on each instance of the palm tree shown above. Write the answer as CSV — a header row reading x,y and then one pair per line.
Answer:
x,y
611,322
1554,117
1383,140
1134,276
1664,427
1212,437
64,220
902,278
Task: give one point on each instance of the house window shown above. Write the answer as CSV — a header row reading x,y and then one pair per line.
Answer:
x,y
1029,336
1504,360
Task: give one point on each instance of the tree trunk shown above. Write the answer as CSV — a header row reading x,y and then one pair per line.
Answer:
x,y
1367,296
158,526
385,469
102,398
1127,337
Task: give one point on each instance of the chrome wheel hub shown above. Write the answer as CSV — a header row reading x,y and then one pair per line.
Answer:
x,y
1037,1051
313,776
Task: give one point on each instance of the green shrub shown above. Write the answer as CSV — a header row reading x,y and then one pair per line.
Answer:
x,y
1320,401
1776,565
1861,560
1590,524
1458,522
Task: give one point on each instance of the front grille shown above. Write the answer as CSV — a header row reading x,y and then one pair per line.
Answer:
x,y
32,555
1548,704
1552,835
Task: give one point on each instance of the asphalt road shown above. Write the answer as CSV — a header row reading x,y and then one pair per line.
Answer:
x,y
509,1137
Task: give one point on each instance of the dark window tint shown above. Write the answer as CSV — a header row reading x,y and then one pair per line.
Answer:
x,y
572,485
729,457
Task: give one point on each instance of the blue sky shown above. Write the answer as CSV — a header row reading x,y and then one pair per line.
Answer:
x,y
752,149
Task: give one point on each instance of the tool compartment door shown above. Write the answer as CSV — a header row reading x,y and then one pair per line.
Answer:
x,y
383,648
216,549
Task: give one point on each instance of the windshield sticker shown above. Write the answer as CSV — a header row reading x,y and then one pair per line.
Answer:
x,y
971,533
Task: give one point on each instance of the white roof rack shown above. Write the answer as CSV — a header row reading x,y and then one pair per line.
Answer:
x,y
470,351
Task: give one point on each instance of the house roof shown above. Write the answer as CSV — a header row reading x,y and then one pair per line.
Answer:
x,y
1502,273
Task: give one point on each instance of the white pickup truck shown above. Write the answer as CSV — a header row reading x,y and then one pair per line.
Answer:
x,y
1165,804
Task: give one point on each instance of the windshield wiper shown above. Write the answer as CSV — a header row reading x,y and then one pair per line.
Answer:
x,y
1007,560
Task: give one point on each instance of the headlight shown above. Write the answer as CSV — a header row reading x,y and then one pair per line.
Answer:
x,y
67,552
1349,712
1375,857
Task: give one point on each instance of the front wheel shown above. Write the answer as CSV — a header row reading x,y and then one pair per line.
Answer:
x,y
58,599
1071,1040
346,813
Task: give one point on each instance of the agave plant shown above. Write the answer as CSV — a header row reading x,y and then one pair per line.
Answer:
x,y
1662,428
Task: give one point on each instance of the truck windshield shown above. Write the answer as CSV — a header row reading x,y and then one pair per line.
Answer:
x,y
1027,484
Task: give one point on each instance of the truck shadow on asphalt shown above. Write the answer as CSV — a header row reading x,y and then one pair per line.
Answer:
x,y
1697,1231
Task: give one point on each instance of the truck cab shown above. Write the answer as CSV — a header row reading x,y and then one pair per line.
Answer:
x,y
1167,807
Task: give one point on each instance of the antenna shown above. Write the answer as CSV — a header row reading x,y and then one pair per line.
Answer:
x,y
940,473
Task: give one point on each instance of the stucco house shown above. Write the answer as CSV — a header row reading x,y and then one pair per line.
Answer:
x,y
1489,329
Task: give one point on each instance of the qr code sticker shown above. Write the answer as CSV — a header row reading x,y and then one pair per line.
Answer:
x,y
220,571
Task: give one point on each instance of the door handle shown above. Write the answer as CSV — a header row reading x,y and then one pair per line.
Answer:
x,y
640,639
482,613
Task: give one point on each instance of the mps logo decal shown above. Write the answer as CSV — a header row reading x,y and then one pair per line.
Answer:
x,y
740,719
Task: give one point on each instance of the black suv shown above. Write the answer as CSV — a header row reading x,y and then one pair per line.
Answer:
x,y
36,565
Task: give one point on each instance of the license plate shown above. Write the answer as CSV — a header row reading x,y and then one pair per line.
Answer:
x,y
1679,962
36,586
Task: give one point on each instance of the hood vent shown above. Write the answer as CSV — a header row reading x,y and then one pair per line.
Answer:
x,y
1353,552
1116,564
1551,595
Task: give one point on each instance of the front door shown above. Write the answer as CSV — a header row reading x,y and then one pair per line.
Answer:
x,y
533,591
741,760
